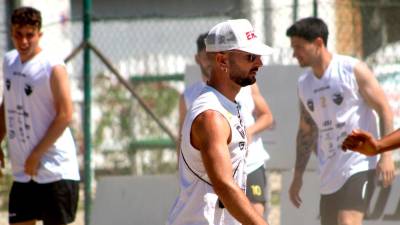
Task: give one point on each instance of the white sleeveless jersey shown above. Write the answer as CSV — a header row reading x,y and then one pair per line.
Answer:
x,y
336,106
197,202
257,155
29,110
192,92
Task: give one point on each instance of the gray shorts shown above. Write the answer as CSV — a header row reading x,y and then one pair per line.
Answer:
x,y
355,194
256,186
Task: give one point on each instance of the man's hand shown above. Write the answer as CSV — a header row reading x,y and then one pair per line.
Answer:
x,y
249,136
362,142
365,143
385,170
294,192
32,164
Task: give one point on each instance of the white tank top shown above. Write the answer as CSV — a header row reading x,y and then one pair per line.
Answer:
x,y
257,155
192,92
29,110
197,202
336,106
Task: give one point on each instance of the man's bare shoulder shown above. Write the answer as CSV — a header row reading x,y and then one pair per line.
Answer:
x,y
210,119
209,127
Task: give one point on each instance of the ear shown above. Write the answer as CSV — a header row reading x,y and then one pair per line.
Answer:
x,y
196,58
319,42
221,59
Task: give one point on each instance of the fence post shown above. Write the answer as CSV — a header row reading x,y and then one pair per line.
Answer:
x,y
87,10
295,10
315,8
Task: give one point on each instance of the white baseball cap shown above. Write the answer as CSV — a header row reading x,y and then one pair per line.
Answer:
x,y
235,34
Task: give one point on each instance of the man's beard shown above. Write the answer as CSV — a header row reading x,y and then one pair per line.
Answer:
x,y
244,81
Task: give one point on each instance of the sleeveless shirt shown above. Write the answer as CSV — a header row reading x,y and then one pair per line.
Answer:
x,y
337,107
29,111
197,202
257,154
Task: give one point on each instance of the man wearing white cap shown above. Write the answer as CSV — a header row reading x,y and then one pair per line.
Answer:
x,y
214,142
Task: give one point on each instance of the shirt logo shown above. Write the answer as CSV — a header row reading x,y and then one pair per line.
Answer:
x,y
28,89
241,145
321,89
323,101
8,84
229,38
240,130
337,98
250,35
310,104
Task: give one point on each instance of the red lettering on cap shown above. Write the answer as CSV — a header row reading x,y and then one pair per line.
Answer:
x,y
250,35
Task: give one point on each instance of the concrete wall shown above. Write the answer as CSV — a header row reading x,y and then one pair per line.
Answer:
x,y
134,200
148,199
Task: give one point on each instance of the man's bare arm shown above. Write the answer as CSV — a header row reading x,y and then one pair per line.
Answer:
x,y
375,97
211,134
306,141
263,114
60,89
389,142
305,145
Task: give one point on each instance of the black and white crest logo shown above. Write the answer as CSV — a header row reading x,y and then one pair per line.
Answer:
x,y
242,144
310,104
8,84
240,130
229,38
337,98
28,89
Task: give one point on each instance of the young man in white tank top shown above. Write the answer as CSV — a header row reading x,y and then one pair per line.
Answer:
x,y
337,95
213,142
35,114
256,116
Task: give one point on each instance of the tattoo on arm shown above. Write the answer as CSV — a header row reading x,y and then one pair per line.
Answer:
x,y
306,141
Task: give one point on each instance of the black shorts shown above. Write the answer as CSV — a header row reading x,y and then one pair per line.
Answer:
x,y
355,194
256,184
54,203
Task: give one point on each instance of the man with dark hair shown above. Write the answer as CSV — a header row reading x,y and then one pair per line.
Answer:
x,y
214,142
338,94
35,114
309,29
